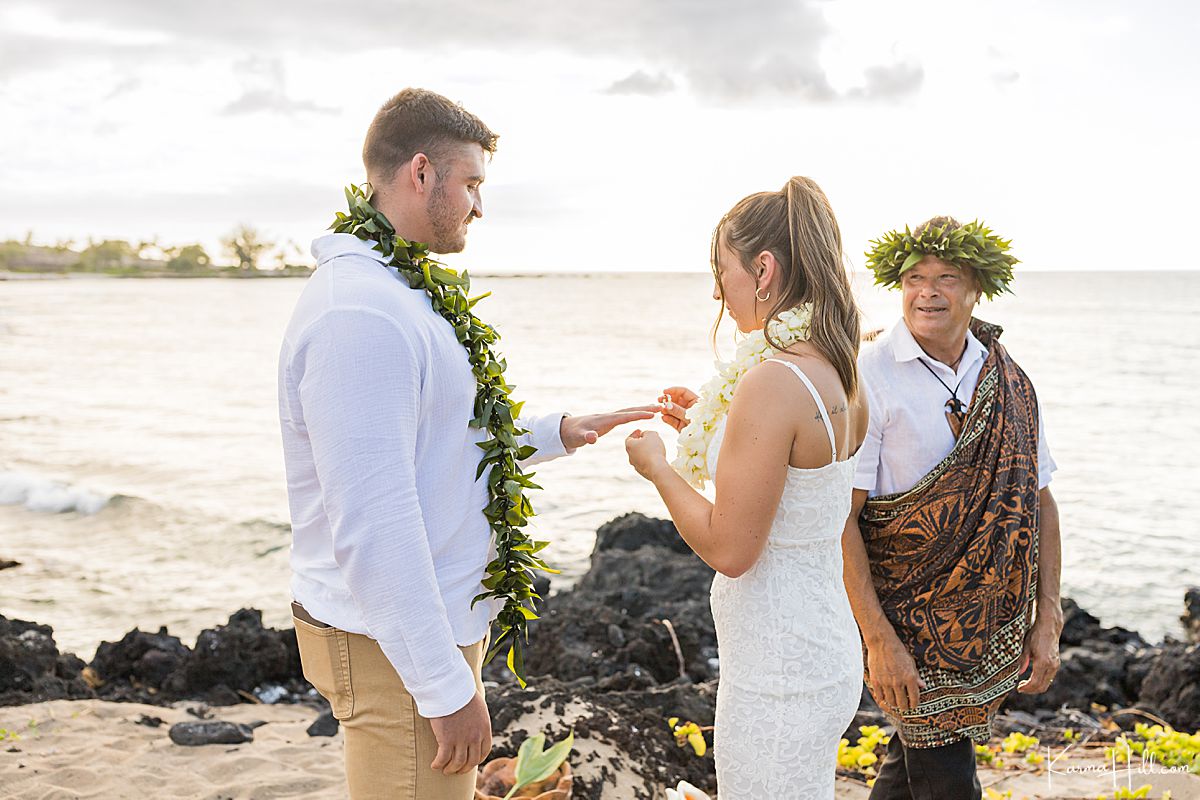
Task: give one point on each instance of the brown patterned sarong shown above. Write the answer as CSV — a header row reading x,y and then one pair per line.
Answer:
x,y
954,559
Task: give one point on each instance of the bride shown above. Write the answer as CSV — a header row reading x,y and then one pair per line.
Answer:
x,y
784,415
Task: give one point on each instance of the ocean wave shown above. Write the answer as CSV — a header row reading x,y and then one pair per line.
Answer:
x,y
270,524
37,493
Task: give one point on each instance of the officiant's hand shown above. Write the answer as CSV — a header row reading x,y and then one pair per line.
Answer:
x,y
676,401
646,451
1040,653
892,673
587,428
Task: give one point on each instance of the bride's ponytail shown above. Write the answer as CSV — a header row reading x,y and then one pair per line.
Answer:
x,y
819,276
797,225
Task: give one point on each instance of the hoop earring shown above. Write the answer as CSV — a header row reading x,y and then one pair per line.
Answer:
x,y
761,299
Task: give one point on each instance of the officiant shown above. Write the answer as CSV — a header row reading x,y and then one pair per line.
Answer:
x,y
952,554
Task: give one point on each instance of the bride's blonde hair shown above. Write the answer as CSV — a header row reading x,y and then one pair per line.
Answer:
x,y
797,225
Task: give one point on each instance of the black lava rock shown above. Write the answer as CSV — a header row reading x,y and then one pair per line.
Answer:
x,y
195,734
150,659
240,655
32,669
1172,685
1080,627
634,531
616,637
324,725
227,665
611,622
1191,614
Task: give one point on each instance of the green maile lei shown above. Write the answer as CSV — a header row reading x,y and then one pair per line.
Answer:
x,y
510,574
971,246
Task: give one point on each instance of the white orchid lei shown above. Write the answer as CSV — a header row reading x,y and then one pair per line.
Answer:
x,y
691,460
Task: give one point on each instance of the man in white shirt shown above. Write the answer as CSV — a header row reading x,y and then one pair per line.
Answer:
x,y
952,547
390,540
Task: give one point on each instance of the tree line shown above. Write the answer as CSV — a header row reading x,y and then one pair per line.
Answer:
x,y
249,250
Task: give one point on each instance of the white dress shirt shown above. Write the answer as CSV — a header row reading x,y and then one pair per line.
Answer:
x,y
388,534
909,434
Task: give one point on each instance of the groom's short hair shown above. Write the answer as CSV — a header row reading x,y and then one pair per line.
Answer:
x,y
419,121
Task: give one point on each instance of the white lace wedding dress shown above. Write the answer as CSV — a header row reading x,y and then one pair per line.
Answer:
x,y
790,655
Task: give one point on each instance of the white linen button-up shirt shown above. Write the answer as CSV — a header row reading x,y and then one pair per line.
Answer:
x,y
388,534
909,434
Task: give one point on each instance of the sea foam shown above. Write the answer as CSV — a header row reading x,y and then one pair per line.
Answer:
x,y
42,494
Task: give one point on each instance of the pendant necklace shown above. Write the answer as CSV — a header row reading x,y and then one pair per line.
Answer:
x,y
956,411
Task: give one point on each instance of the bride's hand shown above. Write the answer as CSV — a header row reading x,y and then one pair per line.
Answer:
x,y
676,401
647,453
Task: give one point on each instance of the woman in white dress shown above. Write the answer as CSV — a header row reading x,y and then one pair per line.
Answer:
x,y
786,414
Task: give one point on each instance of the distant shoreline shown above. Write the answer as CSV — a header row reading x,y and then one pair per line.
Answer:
x,y
50,276
304,272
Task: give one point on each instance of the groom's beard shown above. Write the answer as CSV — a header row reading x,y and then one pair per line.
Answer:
x,y
449,230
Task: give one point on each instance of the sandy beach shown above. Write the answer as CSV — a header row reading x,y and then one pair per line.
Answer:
x,y
99,749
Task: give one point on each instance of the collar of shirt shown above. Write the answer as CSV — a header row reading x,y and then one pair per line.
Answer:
x,y
333,245
906,348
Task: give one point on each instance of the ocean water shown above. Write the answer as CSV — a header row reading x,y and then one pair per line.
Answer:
x,y
141,477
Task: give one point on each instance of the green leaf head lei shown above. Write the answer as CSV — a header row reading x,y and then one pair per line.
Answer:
x,y
971,246
510,573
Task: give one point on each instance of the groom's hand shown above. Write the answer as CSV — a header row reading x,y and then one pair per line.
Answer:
x,y
588,428
464,738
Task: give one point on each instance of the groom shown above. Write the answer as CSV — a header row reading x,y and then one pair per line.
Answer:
x,y
952,546
387,498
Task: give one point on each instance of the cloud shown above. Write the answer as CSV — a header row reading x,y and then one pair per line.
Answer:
x,y
532,203
641,82
125,86
256,100
266,90
33,38
769,50
96,211
886,83
22,53
1003,74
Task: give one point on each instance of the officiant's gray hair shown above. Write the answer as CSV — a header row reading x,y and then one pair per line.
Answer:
x,y
419,121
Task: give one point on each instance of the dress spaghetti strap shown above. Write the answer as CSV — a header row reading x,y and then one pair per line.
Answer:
x,y
820,403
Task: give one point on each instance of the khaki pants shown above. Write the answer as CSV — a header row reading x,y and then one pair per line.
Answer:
x,y
389,747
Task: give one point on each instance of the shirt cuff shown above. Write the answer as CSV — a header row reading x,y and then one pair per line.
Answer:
x,y
447,693
545,434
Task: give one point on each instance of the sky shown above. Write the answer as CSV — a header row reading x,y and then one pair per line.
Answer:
x,y
627,128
